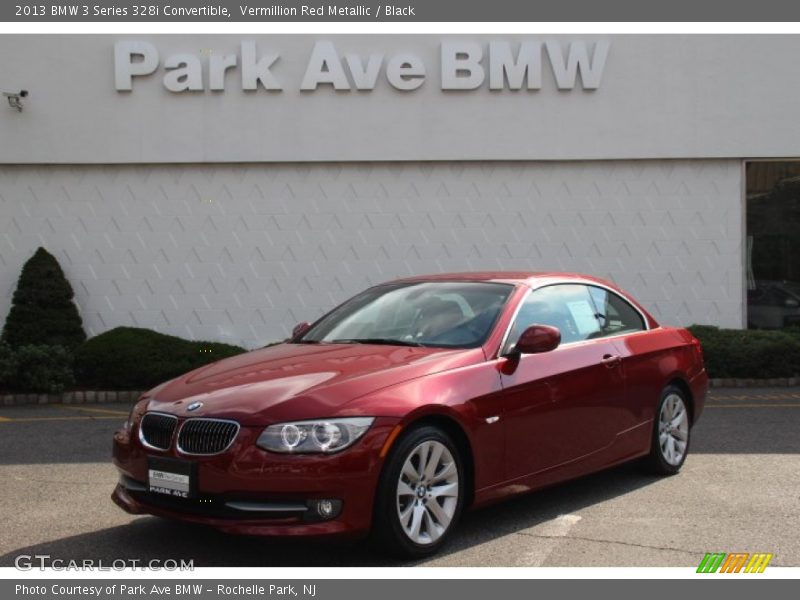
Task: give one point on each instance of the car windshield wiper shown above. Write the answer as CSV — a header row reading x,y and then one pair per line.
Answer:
x,y
307,342
378,341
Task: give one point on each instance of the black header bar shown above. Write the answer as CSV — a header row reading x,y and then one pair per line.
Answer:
x,y
401,11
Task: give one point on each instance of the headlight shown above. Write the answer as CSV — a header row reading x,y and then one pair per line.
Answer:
x,y
323,435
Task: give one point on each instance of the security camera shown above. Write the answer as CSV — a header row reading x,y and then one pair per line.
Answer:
x,y
15,98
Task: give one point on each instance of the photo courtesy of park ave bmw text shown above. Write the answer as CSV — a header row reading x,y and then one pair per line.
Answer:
x,y
363,289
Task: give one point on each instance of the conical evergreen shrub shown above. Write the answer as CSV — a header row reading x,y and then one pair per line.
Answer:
x,y
42,310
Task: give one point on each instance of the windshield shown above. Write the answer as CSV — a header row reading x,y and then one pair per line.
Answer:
x,y
438,314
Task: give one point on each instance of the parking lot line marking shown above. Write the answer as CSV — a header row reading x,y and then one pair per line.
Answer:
x,y
752,399
94,410
722,398
34,419
97,414
547,535
749,401
752,405
771,397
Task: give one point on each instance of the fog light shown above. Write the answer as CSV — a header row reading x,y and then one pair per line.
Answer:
x,y
327,508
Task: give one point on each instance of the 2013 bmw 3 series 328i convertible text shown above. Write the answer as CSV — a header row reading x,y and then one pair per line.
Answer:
x,y
411,402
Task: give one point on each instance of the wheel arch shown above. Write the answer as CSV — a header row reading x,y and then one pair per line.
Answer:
x,y
680,382
458,433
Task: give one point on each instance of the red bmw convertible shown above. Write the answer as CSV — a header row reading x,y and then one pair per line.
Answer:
x,y
411,402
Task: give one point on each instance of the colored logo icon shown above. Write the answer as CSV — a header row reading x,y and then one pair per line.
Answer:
x,y
741,562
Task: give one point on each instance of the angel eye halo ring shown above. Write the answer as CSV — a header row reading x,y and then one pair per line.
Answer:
x,y
317,436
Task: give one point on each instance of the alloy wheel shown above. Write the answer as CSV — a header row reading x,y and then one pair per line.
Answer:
x,y
673,429
427,492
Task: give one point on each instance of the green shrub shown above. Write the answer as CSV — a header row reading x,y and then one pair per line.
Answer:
x,y
8,365
132,358
46,369
42,310
749,353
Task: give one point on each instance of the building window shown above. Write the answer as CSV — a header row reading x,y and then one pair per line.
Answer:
x,y
773,244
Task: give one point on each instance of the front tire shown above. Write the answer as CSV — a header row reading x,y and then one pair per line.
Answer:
x,y
420,495
671,430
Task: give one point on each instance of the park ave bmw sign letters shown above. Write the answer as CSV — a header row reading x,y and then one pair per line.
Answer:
x,y
462,65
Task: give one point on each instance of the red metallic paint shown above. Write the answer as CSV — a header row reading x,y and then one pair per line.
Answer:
x,y
538,338
582,407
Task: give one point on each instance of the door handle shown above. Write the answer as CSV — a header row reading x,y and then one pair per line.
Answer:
x,y
611,360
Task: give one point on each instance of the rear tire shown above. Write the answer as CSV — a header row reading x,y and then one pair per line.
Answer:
x,y
671,433
420,494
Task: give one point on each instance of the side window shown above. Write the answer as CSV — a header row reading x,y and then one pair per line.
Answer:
x,y
616,315
568,307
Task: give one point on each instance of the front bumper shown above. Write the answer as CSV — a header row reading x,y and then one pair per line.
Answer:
x,y
230,484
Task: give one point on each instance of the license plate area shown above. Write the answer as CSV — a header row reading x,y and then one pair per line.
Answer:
x,y
171,477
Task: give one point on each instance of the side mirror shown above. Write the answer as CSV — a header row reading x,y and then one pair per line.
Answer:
x,y
537,339
300,329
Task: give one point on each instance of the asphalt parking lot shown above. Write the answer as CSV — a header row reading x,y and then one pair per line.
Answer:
x,y
739,491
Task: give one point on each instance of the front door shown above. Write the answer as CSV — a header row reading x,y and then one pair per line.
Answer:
x,y
565,404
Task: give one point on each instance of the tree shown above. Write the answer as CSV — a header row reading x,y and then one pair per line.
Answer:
x,y
42,310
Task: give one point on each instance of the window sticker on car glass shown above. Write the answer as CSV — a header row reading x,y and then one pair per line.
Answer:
x,y
584,317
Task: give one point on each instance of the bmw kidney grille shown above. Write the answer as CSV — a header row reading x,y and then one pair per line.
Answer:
x,y
156,430
206,436
198,436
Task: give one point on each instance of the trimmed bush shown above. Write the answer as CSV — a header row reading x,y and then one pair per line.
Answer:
x,y
749,353
46,369
133,358
42,310
8,365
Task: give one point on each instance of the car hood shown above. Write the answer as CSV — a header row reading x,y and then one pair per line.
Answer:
x,y
299,381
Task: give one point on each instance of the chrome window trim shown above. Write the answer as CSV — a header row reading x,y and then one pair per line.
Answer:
x,y
141,436
572,282
225,449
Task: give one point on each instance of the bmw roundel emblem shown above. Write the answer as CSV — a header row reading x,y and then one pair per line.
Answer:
x,y
194,406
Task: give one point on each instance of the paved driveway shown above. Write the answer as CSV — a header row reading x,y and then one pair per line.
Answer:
x,y
739,491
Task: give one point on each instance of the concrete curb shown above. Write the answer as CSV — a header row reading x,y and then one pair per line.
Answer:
x,y
74,397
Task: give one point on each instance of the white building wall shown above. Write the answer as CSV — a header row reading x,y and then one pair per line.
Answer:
x,y
240,253
660,96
